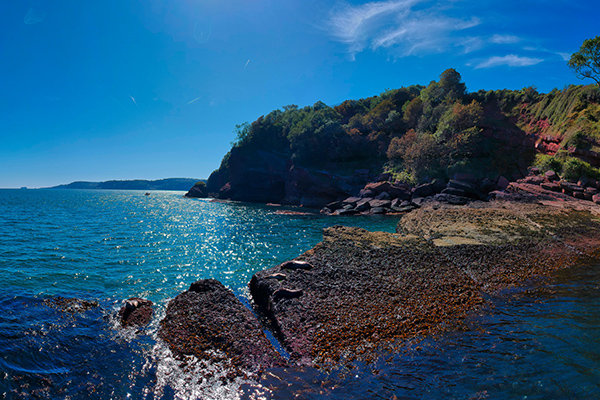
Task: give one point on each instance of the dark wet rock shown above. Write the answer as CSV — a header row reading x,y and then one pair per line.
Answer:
x,y
346,212
284,293
383,196
583,196
424,190
551,176
376,189
502,183
336,205
366,193
418,201
533,171
464,177
533,180
552,186
296,264
351,201
278,276
272,177
380,203
70,305
583,182
363,205
209,322
464,189
487,185
451,199
199,190
136,312
377,210
403,209
454,192
569,188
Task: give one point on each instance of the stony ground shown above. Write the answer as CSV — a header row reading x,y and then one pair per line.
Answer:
x,y
357,292
365,290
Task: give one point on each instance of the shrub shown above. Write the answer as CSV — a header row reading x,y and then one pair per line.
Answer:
x,y
548,163
574,168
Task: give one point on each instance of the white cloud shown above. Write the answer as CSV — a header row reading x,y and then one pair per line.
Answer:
x,y
510,60
565,56
505,39
394,24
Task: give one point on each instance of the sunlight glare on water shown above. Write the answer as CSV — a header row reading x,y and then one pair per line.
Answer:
x,y
107,246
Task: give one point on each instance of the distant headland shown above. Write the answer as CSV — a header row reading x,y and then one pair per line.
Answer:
x,y
182,184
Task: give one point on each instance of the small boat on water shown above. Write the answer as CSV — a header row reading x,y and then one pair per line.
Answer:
x,y
146,194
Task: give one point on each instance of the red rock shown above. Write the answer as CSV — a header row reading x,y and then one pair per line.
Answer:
x,y
533,180
554,187
209,317
380,203
596,198
136,312
502,183
551,176
464,177
352,200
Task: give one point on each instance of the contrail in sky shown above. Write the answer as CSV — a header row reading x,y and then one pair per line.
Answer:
x,y
134,102
190,102
247,62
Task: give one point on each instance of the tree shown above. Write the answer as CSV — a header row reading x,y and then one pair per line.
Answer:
x,y
450,82
586,62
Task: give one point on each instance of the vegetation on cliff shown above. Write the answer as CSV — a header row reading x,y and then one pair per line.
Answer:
x,y
419,133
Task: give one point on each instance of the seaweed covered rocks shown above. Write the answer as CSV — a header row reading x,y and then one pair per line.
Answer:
x,y
209,322
136,312
360,291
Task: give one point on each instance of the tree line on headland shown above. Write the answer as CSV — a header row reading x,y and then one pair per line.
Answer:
x,y
413,135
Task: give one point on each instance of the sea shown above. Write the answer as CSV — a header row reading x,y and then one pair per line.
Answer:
x,y
540,341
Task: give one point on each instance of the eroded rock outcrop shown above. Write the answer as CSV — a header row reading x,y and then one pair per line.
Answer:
x,y
210,323
136,312
364,290
199,190
272,177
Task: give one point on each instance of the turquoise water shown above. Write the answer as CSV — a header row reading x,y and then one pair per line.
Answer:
x,y
107,246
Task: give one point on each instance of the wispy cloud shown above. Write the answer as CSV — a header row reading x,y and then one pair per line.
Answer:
x,y
504,39
510,60
399,25
134,102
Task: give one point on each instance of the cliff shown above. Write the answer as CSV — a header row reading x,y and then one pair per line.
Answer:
x,y
318,154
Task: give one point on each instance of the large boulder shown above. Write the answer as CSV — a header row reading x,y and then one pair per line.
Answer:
x,y
375,189
136,312
209,322
199,190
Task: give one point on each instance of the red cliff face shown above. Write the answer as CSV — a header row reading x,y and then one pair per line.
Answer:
x,y
271,177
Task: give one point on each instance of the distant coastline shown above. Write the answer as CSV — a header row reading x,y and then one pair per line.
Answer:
x,y
182,184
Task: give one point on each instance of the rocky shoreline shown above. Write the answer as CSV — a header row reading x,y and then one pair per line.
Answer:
x,y
358,293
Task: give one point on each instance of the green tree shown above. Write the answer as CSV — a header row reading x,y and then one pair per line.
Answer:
x,y
586,62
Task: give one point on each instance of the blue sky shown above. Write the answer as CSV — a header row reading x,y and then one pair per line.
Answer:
x,y
149,89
